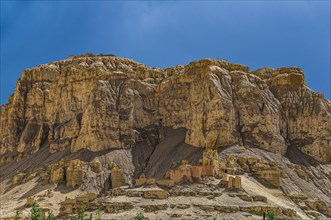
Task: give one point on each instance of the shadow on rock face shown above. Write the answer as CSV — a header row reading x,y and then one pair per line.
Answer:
x,y
298,157
154,162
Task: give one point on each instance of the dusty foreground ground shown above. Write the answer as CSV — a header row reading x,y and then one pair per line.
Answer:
x,y
304,193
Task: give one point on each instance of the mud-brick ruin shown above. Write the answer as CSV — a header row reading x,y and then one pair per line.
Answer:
x,y
117,178
70,206
210,166
69,172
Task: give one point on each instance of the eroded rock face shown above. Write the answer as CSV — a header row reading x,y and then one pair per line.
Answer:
x,y
104,102
307,114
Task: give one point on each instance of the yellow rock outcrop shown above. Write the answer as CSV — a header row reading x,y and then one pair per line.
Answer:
x,y
97,102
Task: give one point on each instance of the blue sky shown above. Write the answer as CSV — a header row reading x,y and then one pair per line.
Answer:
x,y
162,34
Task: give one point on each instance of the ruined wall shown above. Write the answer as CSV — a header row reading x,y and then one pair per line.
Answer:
x,y
117,178
75,173
271,176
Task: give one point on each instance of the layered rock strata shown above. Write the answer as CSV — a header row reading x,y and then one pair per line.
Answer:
x,y
105,102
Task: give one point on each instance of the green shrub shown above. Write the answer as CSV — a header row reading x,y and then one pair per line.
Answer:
x,y
36,212
81,211
17,216
50,216
98,212
140,216
90,218
42,216
271,215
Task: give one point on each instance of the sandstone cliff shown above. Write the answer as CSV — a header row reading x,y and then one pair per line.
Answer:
x,y
105,102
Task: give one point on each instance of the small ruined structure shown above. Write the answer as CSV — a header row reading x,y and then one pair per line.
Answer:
x,y
230,182
209,170
57,172
165,182
234,182
70,206
210,166
155,194
18,178
57,175
69,172
196,172
140,181
74,173
117,178
272,176
183,173
160,182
